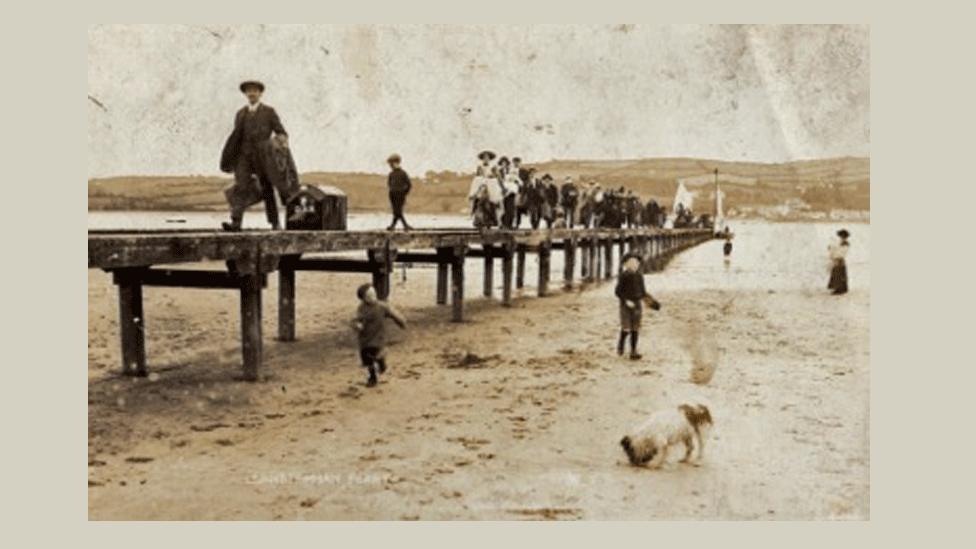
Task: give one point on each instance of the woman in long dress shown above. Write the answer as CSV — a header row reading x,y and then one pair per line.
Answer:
x,y
485,192
838,263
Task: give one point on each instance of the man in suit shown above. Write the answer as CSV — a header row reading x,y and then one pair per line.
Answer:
x,y
399,185
247,153
570,196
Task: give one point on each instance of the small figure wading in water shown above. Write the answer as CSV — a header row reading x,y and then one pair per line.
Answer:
x,y
838,263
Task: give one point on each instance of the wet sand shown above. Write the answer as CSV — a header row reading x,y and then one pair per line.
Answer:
x,y
514,414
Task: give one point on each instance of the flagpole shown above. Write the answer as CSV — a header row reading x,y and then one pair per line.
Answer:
x,y
716,193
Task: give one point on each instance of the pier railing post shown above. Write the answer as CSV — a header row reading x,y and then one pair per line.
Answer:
x,y
251,343
132,322
608,258
489,268
457,283
286,298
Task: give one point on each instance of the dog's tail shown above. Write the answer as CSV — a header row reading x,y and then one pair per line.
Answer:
x,y
697,415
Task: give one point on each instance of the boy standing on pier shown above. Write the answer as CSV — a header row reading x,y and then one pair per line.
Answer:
x,y
370,326
399,186
631,293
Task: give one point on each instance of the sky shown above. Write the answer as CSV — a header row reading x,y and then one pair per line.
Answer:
x,y
162,98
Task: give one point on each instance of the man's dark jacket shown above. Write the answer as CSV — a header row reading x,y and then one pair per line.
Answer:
x,y
398,181
254,133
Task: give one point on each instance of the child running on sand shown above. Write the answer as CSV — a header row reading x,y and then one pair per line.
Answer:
x,y
631,293
370,325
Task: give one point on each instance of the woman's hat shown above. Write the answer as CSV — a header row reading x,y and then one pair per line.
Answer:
x,y
486,154
251,84
547,177
361,291
503,160
843,233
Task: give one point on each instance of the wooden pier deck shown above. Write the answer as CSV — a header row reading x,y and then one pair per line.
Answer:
x,y
132,256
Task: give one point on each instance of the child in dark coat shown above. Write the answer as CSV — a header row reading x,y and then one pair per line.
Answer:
x,y
370,325
631,293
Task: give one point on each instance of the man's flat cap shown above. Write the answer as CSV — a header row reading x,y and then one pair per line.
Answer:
x,y
251,84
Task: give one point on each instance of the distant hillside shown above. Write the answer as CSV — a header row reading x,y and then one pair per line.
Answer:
x,y
815,185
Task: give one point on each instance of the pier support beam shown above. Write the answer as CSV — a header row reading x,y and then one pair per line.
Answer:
x,y
509,251
520,266
443,264
382,266
132,326
544,255
489,269
608,259
286,299
569,262
457,283
594,255
584,260
251,341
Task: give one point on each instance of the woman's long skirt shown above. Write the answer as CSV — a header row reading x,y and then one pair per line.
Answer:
x,y
838,277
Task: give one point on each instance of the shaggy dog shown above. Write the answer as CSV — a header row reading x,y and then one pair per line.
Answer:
x,y
665,428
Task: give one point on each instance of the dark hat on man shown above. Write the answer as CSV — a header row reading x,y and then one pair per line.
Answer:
x,y
361,291
486,154
843,233
394,158
251,84
516,159
547,177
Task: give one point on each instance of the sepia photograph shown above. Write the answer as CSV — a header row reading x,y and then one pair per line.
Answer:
x,y
473,272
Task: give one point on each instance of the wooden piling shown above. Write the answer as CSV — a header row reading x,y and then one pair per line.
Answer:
x,y
544,255
251,343
457,284
569,262
132,326
489,269
520,266
286,300
594,255
381,261
584,260
443,263
608,259
508,250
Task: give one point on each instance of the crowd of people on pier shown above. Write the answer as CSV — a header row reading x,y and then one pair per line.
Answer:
x,y
505,192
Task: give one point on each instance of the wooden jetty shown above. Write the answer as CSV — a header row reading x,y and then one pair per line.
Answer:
x,y
133,258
